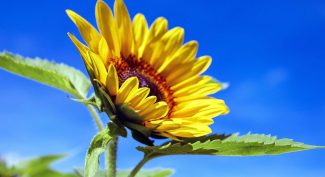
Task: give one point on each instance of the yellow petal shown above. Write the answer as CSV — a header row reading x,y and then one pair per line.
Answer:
x,y
201,101
99,67
191,82
112,80
167,46
160,109
184,54
195,130
157,30
140,31
127,89
198,88
82,50
198,92
104,51
146,102
165,125
87,31
181,71
125,27
141,94
202,64
107,26
197,68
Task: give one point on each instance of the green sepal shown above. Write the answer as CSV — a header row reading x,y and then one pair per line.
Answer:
x,y
142,138
108,106
117,129
129,115
132,120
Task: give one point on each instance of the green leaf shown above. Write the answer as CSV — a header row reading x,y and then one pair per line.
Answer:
x,y
60,76
148,173
36,165
51,173
7,171
97,147
159,172
234,145
40,167
93,100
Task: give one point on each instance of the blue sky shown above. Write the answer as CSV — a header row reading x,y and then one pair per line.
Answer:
x,y
271,52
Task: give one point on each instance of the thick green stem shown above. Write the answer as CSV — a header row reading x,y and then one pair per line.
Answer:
x,y
137,168
95,116
111,158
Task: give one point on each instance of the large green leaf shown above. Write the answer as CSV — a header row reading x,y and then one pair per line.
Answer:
x,y
56,75
97,147
234,145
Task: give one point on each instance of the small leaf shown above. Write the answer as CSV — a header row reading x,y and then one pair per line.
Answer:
x,y
97,147
60,76
234,145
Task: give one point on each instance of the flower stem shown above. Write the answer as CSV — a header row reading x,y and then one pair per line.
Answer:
x,y
95,116
111,158
137,168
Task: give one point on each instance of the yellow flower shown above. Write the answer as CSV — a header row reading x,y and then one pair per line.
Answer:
x,y
150,70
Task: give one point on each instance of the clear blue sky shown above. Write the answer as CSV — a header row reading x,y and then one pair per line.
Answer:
x,y
271,52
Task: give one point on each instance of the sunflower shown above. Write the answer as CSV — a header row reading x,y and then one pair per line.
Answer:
x,y
149,70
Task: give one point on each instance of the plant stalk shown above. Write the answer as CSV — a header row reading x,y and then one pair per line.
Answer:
x,y
137,168
111,158
95,116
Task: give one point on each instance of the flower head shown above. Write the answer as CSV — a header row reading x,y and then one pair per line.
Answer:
x,y
149,70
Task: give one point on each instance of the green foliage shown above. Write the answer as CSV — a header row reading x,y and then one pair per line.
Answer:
x,y
97,147
148,173
56,75
143,173
234,145
38,167
6,171
93,100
